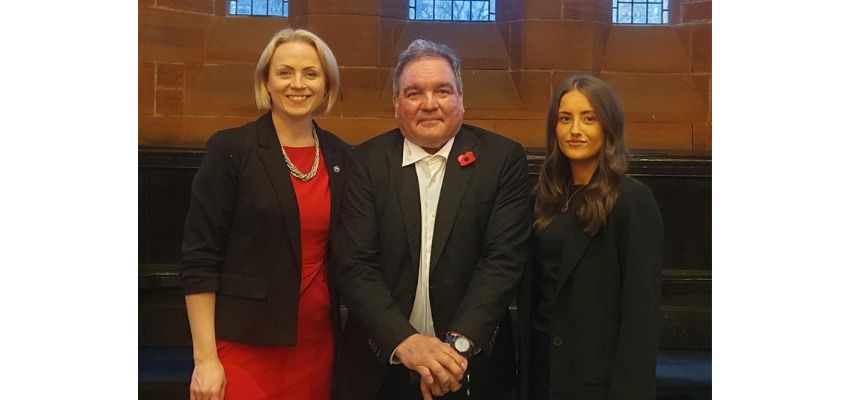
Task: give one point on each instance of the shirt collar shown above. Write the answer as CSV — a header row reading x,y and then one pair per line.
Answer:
x,y
413,153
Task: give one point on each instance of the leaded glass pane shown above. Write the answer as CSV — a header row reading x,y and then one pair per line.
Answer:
x,y
260,7
461,10
624,13
480,11
443,9
243,7
276,7
654,14
425,9
639,13
458,10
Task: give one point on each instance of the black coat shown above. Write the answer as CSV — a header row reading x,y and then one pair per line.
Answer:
x,y
242,237
478,254
605,321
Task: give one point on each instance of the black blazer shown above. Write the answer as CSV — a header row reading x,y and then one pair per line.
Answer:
x,y
478,254
605,323
242,237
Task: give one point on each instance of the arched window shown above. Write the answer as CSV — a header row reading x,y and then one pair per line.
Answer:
x,y
640,12
452,10
278,8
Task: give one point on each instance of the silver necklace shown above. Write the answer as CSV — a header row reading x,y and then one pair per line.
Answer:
x,y
570,197
295,171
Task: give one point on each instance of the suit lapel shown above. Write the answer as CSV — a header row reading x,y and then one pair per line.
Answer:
x,y
272,158
407,187
455,183
333,164
575,243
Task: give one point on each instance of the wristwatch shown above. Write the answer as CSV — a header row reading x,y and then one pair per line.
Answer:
x,y
460,344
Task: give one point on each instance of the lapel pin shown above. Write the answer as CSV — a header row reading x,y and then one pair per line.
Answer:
x,y
336,169
466,158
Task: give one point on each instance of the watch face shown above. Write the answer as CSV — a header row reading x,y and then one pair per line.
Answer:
x,y
462,345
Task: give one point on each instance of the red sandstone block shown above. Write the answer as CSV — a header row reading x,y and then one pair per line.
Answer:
x,y
700,11
354,39
671,137
146,88
200,6
184,131
222,89
662,97
587,10
169,101
168,36
646,49
170,75
702,139
241,38
510,10
364,92
336,7
543,9
529,133
559,45
222,7
535,89
701,45
480,46
490,90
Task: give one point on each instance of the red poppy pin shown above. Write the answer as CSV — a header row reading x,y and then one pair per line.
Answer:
x,y
466,158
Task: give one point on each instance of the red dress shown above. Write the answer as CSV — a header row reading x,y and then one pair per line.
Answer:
x,y
302,371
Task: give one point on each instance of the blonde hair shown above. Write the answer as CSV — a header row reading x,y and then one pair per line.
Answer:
x,y
326,58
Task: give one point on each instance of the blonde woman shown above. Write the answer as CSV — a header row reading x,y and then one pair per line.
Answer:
x,y
261,302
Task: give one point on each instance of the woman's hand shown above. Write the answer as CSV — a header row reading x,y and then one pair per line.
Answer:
x,y
208,381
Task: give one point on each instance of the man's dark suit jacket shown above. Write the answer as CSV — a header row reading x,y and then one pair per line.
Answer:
x,y
478,254
242,237
605,322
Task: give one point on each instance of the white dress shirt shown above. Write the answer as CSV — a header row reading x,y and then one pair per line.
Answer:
x,y
430,170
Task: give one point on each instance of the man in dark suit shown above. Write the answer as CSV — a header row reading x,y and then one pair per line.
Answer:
x,y
431,246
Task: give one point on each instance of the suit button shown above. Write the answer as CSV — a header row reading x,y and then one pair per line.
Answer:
x,y
556,341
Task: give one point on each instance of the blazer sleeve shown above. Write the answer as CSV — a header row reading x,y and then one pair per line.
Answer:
x,y
641,248
502,260
357,264
211,208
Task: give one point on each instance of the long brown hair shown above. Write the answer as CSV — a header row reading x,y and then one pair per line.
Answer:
x,y
595,202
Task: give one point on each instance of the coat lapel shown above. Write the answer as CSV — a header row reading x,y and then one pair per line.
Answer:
x,y
407,187
455,183
334,163
575,243
272,158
